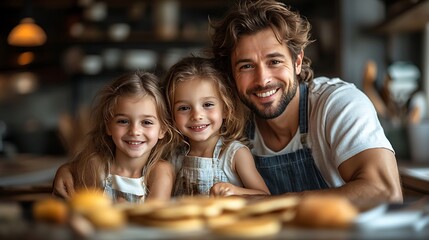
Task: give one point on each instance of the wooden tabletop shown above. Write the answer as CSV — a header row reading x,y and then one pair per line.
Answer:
x,y
414,178
28,169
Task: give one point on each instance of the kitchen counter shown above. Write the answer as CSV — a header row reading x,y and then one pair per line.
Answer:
x,y
414,178
387,221
384,221
26,178
401,227
46,233
28,169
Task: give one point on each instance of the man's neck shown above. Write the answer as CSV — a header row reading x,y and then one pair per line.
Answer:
x,y
279,131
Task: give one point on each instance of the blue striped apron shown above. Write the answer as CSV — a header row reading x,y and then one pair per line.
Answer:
x,y
295,171
198,174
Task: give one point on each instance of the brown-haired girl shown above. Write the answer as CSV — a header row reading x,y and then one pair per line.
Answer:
x,y
211,159
123,151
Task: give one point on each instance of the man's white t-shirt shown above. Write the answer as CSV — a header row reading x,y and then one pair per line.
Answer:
x,y
342,122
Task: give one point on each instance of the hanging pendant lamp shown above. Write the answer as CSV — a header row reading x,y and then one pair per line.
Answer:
x,y
27,34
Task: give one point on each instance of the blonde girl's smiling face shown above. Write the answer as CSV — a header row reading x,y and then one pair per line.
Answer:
x,y
135,127
198,109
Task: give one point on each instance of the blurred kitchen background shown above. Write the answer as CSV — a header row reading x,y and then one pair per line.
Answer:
x,y
47,84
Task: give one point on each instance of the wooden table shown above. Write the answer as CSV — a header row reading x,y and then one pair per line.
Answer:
x,y
414,178
28,169
27,178
24,227
28,230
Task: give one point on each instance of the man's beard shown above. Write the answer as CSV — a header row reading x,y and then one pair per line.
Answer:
x,y
269,111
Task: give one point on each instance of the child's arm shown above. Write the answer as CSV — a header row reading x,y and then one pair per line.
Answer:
x,y
63,185
253,183
160,182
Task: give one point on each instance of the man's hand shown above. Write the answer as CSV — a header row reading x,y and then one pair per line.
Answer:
x,y
63,185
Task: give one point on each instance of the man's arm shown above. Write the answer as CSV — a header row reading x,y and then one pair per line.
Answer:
x,y
63,185
371,177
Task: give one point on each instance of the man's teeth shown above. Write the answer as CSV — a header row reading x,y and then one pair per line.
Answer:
x,y
266,94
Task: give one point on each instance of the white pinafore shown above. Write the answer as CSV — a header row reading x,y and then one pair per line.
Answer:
x,y
121,189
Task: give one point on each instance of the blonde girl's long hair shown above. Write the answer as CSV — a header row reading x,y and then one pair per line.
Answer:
x,y
204,68
91,161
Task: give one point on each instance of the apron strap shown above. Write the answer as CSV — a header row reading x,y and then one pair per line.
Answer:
x,y
303,116
218,148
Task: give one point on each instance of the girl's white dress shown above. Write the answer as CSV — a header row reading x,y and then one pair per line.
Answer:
x,y
121,189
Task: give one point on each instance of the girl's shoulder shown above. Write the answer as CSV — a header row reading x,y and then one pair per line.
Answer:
x,y
162,165
161,173
235,145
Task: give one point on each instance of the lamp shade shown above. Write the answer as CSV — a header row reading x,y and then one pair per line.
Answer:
x,y
27,34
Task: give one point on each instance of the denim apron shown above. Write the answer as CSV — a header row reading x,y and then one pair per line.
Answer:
x,y
295,171
198,174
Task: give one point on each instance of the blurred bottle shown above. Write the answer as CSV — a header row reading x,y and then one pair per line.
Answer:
x,y
167,19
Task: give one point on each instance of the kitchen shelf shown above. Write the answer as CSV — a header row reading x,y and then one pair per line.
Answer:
x,y
411,19
141,37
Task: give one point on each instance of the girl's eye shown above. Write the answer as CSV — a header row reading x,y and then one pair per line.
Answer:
x,y
209,104
183,108
147,122
122,121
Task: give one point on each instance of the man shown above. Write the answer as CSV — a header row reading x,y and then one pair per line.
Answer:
x,y
310,135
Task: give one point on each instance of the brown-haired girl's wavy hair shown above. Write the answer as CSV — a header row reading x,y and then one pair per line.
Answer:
x,y
204,68
99,149
252,16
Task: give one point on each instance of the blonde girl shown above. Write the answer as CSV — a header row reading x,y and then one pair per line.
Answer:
x,y
123,151
211,159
